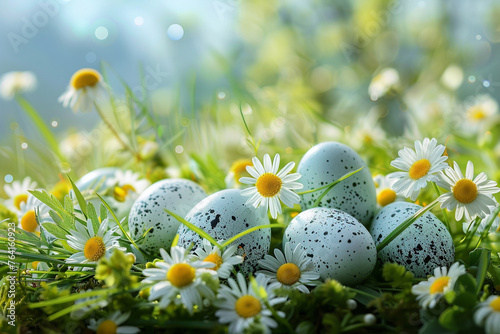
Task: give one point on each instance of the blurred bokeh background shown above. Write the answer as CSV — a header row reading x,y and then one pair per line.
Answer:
x,y
401,65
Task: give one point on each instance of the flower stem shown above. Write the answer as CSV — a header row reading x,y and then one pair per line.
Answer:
x,y
445,215
281,320
115,133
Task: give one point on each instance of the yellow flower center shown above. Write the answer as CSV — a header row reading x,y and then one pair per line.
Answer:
x,y
120,193
107,327
85,77
181,274
419,169
247,306
477,113
239,168
23,198
94,249
386,196
465,191
288,274
268,185
495,304
214,258
28,222
439,285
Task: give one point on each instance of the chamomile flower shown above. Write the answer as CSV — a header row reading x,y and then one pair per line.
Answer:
x,y
237,170
27,215
383,82
269,186
385,194
482,110
12,83
430,292
86,87
224,261
18,192
177,276
488,315
483,224
241,305
418,167
91,246
366,131
467,195
111,324
127,185
294,270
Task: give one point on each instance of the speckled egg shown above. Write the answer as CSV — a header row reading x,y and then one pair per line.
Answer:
x,y
225,214
423,246
96,179
339,246
327,162
176,195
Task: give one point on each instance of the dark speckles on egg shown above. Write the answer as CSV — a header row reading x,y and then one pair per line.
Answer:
x,y
223,215
349,254
422,247
325,163
176,195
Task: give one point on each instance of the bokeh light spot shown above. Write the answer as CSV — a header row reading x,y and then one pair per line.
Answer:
x,y
179,149
91,57
101,33
175,32
139,21
8,178
24,146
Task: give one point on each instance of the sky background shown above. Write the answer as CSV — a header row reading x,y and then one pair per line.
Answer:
x,y
127,35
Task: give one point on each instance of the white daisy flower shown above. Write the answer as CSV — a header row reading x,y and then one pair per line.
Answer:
x,y
240,305
469,196
224,261
294,270
91,246
86,87
488,315
419,167
385,194
430,292
483,224
127,185
237,170
366,131
482,110
12,83
18,193
28,214
383,82
176,276
270,186
111,324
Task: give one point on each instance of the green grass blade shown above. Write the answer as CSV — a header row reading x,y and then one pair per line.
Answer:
x,y
404,225
79,197
250,230
194,228
120,224
40,125
330,185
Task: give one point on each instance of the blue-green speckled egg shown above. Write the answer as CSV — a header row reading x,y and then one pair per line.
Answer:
x,y
423,246
327,162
